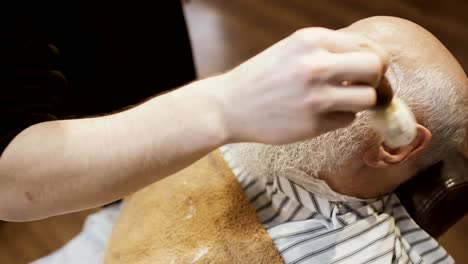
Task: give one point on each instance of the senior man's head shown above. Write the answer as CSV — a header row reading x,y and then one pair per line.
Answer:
x,y
354,160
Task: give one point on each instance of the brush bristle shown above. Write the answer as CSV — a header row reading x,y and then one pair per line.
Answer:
x,y
396,123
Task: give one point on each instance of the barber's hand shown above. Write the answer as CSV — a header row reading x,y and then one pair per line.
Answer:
x,y
307,84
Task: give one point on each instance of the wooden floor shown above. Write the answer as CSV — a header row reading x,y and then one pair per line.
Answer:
x,y
227,32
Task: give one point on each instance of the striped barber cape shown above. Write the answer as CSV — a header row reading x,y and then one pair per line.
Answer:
x,y
309,229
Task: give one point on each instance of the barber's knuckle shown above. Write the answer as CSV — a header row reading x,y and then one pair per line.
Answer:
x,y
309,36
321,69
319,101
302,36
315,73
322,31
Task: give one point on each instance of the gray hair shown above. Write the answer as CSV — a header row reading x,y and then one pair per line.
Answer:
x,y
436,100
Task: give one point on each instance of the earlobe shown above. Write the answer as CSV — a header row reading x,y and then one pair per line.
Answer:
x,y
381,156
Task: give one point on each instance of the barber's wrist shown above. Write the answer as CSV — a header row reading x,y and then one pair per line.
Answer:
x,y
212,109
228,88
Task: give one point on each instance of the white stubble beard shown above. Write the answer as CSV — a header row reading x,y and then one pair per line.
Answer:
x,y
327,153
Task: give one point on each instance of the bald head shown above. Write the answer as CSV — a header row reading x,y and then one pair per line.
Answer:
x,y
409,45
421,72
426,75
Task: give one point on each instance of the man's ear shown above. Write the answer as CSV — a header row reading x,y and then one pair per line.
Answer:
x,y
381,156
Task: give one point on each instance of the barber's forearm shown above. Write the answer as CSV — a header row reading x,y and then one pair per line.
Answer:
x,y
291,91
62,166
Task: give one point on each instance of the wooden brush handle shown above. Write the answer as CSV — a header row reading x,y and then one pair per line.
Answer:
x,y
384,93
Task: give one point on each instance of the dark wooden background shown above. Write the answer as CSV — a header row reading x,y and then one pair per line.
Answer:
x,y
226,32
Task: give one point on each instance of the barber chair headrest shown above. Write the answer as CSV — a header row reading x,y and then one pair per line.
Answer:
x,y
437,197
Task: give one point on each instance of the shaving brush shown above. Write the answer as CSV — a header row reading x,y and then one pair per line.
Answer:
x,y
392,118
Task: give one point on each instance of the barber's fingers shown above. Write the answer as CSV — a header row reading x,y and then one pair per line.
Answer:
x,y
354,98
357,67
336,41
334,120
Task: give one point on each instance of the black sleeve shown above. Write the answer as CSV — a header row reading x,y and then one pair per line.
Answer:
x,y
31,86
66,59
30,97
